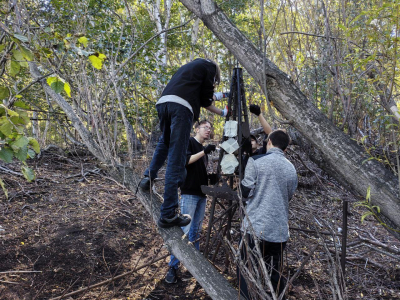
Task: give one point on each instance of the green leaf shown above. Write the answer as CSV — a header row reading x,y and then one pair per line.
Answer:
x,y
18,55
35,145
96,62
22,38
365,215
2,47
4,92
6,154
58,86
27,54
22,153
12,113
21,104
6,127
19,143
368,197
14,67
28,173
67,89
31,153
79,51
51,79
4,188
83,40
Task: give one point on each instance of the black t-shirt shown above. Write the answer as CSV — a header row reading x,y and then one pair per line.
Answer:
x,y
196,172
193,82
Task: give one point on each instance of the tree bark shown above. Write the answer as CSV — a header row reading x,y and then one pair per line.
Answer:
x,y
341,157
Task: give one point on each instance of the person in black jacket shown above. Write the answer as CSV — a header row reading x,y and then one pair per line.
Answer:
x,y
190,88
193,200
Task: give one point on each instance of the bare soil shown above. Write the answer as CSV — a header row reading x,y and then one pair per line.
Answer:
x,y
74,226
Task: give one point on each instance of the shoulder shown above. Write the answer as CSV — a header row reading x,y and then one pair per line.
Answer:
x,y
259,156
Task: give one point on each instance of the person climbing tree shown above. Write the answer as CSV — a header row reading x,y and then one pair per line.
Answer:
x,y
190,88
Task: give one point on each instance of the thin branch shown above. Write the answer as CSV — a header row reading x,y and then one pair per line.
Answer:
x,y
148,41
12,100
311,34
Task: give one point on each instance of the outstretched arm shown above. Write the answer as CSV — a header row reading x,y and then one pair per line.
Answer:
x,y
216,110
264,124
255,109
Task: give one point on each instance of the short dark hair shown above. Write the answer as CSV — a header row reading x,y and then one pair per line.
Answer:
x,y
199,123
217,77
253,137
279,139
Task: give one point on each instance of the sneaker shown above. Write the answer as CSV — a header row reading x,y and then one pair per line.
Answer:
x,y
144,184
171,276
178,220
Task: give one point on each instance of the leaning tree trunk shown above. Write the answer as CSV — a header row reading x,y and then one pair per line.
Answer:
x,y
342,157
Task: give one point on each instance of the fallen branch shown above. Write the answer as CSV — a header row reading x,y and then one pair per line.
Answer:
x,y
12,272
7,170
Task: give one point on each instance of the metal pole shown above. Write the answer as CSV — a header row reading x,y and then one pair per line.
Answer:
x,y
344,239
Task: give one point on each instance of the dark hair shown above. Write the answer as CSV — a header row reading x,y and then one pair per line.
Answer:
x,y
279,139
217,77
253,137
199,123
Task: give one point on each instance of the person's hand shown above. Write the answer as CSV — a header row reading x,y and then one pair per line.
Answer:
x,y
225,111
209,148
255,109
218,96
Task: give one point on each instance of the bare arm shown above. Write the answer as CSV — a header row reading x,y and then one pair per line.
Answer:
x,y
214,109
264,124
195,157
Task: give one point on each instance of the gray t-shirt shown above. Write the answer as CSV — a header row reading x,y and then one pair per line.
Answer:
x,y
269,183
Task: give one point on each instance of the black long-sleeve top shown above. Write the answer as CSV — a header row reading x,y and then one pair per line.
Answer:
x,y
194,82
196,172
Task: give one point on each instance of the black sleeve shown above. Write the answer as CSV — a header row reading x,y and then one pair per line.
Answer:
x,y
245,190
207,90
189,152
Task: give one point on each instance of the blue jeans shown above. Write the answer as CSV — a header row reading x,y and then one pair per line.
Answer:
x,y
195,206
175,124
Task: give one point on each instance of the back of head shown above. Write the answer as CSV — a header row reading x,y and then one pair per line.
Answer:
x,y
217,78
279,139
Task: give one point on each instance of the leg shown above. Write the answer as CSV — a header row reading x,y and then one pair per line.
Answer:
x,y
272,254
181,123
161,152
199,202
243,288
188,206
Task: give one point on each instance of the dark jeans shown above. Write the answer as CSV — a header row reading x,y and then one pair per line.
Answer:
x,y
270,251
175,124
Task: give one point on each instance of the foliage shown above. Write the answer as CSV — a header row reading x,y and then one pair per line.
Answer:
x,y
372,210
13,142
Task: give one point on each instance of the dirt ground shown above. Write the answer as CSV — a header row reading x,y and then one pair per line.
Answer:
x,y
75,227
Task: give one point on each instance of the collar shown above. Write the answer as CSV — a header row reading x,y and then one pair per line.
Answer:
x,y
275,150
197,140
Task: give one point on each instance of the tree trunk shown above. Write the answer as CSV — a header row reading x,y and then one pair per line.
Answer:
x,y
341,156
